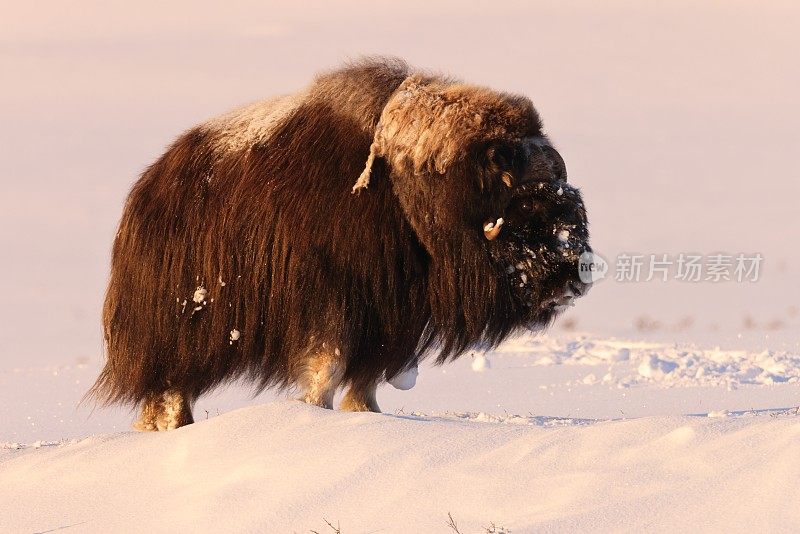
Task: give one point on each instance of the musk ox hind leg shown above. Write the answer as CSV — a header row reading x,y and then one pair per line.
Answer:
x,y
361,398
319,377
164,411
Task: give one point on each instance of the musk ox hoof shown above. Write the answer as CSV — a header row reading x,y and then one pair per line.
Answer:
x,y
145,424
325,402
167,411
352,405
360,401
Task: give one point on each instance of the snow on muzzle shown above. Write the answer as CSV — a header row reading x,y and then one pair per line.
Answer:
x,y
545,232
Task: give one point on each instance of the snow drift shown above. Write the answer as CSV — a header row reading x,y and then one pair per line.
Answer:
x,y
285,466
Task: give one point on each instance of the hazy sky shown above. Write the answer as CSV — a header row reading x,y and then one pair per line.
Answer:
x,y
679,122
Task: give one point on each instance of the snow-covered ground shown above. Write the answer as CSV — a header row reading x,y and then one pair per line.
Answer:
x,y
289,467
553,433
677,120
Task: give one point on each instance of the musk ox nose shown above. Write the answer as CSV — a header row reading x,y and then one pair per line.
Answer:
x,y
570,292
577,288
545,164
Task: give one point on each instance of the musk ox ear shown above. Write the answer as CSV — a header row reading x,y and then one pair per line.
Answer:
x,y
429,123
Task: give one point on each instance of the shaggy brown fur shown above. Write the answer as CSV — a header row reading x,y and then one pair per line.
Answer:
x,y
242,251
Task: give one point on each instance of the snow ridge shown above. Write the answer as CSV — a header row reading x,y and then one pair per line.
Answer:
x,y
632,363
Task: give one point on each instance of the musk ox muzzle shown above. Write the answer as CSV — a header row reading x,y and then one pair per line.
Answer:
x,y
540,248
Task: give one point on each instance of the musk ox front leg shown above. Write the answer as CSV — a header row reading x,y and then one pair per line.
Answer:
x,y
320,376
164,411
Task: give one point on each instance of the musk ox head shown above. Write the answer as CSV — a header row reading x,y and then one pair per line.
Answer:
x,y
488,198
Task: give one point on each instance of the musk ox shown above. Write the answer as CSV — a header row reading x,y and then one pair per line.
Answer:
x,y
333,238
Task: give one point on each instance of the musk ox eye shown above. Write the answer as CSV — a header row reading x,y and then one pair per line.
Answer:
x,y
529,206
499,163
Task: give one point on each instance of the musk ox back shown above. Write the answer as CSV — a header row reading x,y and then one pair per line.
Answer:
x,y
334,237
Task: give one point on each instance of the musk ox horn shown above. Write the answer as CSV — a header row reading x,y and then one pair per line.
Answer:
x,y
363,179
428,123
